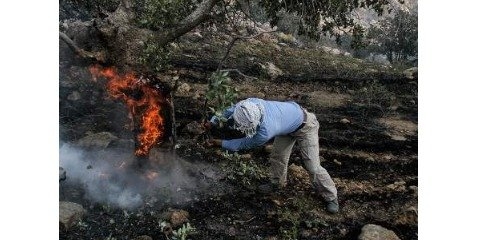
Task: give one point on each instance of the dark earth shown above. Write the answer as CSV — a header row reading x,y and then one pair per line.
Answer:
x,y
368,139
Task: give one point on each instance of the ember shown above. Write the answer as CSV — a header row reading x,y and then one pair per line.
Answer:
x,y
142,100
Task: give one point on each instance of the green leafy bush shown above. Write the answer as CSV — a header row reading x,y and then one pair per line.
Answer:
x,y
220,94
158,14
155,57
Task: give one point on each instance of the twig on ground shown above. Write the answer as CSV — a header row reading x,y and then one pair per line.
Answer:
x,y
96,56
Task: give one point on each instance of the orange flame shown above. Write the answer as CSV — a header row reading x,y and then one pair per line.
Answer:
x,y
138,97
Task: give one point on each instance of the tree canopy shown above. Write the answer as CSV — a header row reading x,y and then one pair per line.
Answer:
x,y
125,25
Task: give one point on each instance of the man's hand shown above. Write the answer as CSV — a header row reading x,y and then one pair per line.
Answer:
x,y
207,125
213,143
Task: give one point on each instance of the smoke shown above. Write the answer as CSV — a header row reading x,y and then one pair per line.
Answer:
x,y
110,176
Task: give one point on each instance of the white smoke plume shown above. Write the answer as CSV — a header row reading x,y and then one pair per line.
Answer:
x,y
107,176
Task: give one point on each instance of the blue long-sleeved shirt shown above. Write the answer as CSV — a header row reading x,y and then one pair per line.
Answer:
x,y
280,118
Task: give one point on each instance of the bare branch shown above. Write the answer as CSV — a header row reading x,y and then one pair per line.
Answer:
x,y
99,57
231,44
191,21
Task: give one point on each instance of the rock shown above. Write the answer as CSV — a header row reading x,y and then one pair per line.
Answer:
x,y
277,202
378,58
286,38
143,237
183,89
270,70
298,177
376,232
194,128
196,95
397,186
409,216
177,217
99,140
337,162
70,214
411,73
74,96
345,121
335,51
398,138
174,45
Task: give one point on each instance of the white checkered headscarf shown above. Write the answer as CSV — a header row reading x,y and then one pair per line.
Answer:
x,y
247,116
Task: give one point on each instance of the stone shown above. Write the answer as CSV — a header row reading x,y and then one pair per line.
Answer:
x,y
194,128
98,140
409,216
398,186
335,51
345,121
376,232
411,73
183,89
70,214
337,162
174,45
177,217
398,138
298,177
286,38
74,96
270,70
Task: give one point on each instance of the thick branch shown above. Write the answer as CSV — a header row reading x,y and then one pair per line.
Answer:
x,y
191,21
82,53
231,44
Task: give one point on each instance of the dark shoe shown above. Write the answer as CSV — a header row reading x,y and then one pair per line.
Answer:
x,y
268,188
332,206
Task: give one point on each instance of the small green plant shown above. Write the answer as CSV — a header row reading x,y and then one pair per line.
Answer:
x,y
231,156
182,233
375,95
289,223
220,94
245,172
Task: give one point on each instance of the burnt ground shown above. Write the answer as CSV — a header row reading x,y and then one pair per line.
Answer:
x,y
368,140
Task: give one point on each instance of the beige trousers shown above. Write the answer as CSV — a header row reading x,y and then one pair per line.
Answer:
x,y
307,138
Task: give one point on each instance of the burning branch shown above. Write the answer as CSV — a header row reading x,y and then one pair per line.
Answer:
x,y
144,104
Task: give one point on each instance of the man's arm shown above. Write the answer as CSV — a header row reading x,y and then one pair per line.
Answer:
x,y
226,114
244,143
